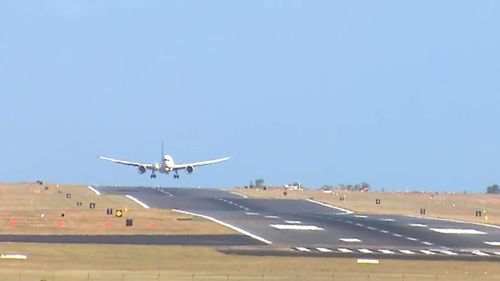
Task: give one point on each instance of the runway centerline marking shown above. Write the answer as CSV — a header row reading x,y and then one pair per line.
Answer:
x,y
350,240
293,222
412,239
240,230
417,224
323,250
296,227
427,243
387,219
449,253
397,235
271,217
427,252
384,231
457,231
361,216
302,249
386,251
408,252
344,250
142,204
252,214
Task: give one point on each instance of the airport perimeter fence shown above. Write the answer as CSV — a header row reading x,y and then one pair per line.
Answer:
x,y
332,276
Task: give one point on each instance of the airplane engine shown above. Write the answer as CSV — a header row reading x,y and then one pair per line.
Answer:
x,y
189,169
141,169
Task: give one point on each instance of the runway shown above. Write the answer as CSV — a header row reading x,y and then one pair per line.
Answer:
x,y
300,227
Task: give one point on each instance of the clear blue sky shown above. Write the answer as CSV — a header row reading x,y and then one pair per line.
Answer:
x,y
395,93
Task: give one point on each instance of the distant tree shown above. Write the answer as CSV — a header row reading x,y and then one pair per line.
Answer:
x,y
251,184
493,189
259,183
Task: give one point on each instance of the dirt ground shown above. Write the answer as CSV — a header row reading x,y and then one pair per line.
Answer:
x,y
31,208
451,206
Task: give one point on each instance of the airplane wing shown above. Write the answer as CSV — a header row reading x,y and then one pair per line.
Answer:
x,y
201,163
128,163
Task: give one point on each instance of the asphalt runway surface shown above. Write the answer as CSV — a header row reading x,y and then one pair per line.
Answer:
x,y
300,227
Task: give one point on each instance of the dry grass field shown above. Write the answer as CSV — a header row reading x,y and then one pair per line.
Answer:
x,y
111,262
38,209
451,206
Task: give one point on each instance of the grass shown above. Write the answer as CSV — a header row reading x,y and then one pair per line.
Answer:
x,y
451,206
112,262
38,209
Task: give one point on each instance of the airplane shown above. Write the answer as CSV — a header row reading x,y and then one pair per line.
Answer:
x,y
166,166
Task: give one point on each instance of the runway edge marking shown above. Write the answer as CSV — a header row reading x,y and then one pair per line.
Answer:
x,y
453,220
137,201
94,190
239,194
330,206
242,231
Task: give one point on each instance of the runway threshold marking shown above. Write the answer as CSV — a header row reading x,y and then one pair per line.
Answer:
x,y
94,190
142,204
242,231
458,231
330,206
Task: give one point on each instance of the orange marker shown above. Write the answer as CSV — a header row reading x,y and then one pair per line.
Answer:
x,y
153,225
60,223
107,225
13,223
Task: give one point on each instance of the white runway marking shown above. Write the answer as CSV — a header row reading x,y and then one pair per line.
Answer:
x,y
137,201
427,243
397,235
372,228
226,225
239,194
386,251
360,225
272,217
479,253
252,214
349,222
302,249
324,250
457,231
344,250
417,224
330,206
412,239
408,252
493,243
387,219
295,227
94,190
294,222
497,253
361,216
449,253
350,240
384,231
365,251
367,261
427,252
457,221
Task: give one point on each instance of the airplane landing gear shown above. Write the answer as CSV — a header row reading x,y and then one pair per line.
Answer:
x,y
153,176
176,176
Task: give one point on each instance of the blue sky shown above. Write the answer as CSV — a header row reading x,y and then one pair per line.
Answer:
x,y
399,94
